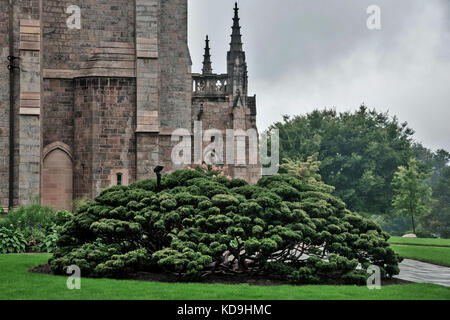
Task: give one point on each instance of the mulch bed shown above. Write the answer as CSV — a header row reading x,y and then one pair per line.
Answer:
x,y
213,279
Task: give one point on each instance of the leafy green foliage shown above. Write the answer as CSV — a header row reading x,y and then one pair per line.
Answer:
x,y
34,215
359,153
438,221
428,160
308,169
11,240
48,244
38,224
411,193
285,226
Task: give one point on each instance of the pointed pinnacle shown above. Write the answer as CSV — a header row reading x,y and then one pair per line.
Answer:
x,y
236,37
207,68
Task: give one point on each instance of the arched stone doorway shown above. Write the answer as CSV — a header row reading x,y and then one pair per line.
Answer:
x,y
57,177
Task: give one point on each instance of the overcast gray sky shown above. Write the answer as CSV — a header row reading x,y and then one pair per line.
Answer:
x,y
309,54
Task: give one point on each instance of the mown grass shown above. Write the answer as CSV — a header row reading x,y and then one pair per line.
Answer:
x,y
436,255
17,283
420,241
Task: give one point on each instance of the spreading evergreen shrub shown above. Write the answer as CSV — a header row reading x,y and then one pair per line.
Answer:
x,y
286,226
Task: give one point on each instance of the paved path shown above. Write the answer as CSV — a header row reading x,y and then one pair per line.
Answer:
x,y
421,272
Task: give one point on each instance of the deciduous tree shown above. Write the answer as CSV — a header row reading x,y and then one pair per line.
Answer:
x,y
412,194
359,152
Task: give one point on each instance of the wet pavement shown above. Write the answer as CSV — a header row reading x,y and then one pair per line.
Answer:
x,y
422,272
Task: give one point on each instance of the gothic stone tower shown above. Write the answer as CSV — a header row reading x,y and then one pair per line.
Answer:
x,y
221,102
91,102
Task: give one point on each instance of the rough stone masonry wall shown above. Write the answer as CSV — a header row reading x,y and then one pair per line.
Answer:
x,y
164,103
175,62
105,143
106,35
90,89
102,21
148,86
217,114
27,151
4,104
61,46
58,112
254,171
176,80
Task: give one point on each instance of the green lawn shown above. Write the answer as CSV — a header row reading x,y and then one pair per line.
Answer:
x,y
435,251
420,241
436,255
17,283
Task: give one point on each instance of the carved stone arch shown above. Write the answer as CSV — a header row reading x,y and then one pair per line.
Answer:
x,y
57,145
57,176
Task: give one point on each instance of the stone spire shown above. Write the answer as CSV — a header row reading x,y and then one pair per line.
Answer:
x,y
236,64
236,37
207,68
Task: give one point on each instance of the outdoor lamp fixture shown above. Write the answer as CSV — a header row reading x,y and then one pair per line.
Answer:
x,y
158,171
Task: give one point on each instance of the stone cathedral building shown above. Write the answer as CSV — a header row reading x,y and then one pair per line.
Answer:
x,y
91,91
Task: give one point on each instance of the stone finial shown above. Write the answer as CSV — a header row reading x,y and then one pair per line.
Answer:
x,y
207,65
236,37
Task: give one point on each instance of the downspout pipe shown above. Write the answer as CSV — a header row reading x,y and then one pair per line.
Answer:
x,y
11,68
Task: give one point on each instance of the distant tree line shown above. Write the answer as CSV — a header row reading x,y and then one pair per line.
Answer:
x,y
361,153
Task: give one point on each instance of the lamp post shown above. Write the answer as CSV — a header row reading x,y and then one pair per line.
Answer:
x,y
158,171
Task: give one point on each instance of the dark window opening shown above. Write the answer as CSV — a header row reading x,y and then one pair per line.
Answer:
x,y
119,179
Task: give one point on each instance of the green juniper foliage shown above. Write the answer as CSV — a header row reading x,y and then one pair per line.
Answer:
x,y
286,226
